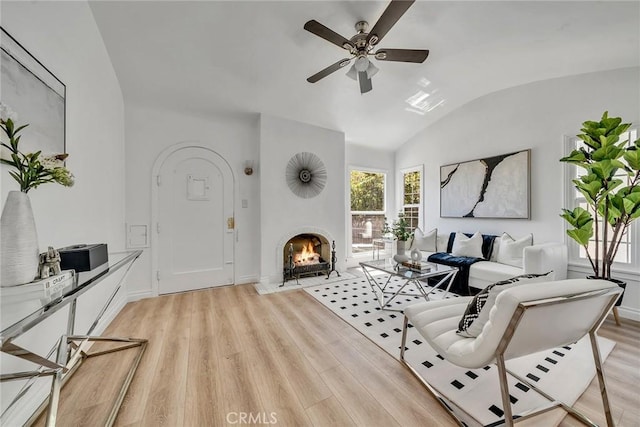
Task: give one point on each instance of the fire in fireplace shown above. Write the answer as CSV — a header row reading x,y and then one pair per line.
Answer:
x,y
308,255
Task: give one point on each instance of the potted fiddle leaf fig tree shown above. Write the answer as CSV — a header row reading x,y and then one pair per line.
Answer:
x,y
610,183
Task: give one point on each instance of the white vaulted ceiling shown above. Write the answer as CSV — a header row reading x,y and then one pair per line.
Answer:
x,y
211,57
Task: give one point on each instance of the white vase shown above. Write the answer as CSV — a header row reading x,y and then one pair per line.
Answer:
x,y
401,246
19,247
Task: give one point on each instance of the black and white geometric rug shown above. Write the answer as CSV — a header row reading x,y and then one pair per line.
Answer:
x,y
564,373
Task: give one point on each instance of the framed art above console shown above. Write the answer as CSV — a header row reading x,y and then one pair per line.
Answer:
x,y
493,187
34,95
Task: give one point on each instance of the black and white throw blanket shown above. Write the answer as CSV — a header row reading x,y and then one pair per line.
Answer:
x,y
460,284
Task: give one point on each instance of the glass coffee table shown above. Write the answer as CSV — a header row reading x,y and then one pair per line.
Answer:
x,y
380,283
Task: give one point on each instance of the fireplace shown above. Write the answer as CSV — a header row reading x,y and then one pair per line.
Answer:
x,y
306,255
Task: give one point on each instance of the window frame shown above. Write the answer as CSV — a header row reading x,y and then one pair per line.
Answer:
x,y
420,204
385,173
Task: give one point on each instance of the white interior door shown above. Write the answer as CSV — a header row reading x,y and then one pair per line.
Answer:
x,y
195,227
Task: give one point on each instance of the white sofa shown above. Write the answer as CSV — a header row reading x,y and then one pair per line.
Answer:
x,y
537,259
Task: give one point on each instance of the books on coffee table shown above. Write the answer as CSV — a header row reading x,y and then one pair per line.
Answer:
x,y
417,266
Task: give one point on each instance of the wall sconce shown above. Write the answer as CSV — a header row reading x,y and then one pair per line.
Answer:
x,y
248,167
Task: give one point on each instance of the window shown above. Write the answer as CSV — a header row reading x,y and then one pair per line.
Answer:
x,y
625,255
411,186
367,209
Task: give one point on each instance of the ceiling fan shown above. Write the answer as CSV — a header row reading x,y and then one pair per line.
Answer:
x,y
361,46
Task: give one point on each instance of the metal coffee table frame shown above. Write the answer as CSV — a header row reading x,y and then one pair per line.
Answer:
x,y
379,285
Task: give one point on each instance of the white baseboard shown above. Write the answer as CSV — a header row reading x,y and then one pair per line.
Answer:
x,y
629,313
138,295
246,279
116,307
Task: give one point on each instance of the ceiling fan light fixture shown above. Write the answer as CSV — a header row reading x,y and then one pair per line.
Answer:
x,y
361,63
372,70
352,73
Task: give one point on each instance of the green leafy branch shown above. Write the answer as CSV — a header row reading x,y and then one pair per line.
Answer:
x,y
31,170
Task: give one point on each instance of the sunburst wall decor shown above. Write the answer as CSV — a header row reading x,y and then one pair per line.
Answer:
x,y
306,175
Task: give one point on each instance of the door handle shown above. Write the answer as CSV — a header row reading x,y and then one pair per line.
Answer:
x,y
230,223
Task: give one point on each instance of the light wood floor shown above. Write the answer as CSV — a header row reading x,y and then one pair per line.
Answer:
x,y
216,354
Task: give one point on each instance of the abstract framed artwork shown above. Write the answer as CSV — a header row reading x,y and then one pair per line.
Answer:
x,y
34,95
493,187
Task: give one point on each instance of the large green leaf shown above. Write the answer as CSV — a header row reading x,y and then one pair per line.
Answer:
x,y
589,189
632,157
607,152
592,142
581,235
622,128
576,156
632,203
615,205
606,169
577,217
610,123
608,140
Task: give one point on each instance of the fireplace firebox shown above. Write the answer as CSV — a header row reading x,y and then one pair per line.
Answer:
x,y
308,255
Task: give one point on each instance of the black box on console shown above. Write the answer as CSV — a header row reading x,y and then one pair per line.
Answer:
x,y
83,257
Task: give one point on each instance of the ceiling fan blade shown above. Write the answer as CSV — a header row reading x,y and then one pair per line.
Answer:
x,y
389,17
328,34
330,69
365,82
402,55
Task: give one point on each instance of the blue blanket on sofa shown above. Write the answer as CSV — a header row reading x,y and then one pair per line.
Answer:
x,y
460,284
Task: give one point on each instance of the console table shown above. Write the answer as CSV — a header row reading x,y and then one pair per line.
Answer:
x,y
23,307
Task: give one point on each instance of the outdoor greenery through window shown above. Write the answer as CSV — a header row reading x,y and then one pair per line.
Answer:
x,y
411,198
624,255
367,208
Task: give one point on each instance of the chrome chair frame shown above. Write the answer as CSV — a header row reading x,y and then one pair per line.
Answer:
x,y
503,371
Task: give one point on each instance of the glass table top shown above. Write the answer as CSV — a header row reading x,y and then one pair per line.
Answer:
x,y
23,306
388,265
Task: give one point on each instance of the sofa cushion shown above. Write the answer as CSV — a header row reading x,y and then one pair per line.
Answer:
x,y
492,272
467,246
495,250
511,251
442,242
424,241
477,312
487,243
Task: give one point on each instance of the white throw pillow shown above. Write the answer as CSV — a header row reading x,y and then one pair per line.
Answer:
x,y
424,242
477,313
511,251
467,246
495,250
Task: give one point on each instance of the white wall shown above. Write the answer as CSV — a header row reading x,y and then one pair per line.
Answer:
x,y
280,210
64,37
149,131
535,116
